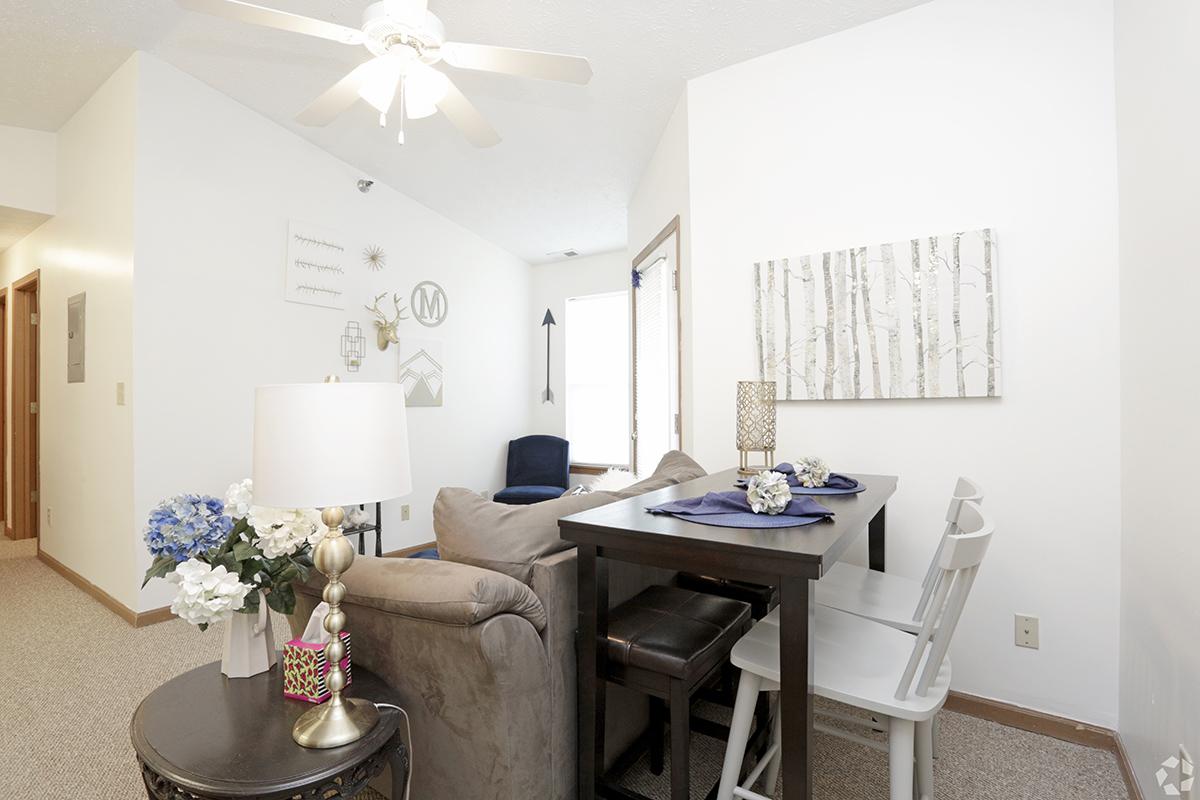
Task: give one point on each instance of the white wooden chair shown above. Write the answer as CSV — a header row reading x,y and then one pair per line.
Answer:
x,y
894,600
899,679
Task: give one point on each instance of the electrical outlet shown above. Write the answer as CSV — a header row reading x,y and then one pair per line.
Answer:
x,y
404,513
49,517
1027,631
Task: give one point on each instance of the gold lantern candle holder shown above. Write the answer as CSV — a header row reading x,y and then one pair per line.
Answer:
x,y
755,425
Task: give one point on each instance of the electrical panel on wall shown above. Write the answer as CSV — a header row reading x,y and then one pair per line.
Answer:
x,y
76,308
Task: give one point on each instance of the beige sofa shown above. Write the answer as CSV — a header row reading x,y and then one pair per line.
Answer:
x,y
485,662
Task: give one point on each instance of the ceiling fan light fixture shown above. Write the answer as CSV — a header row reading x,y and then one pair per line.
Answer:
x,y
424,88
379,90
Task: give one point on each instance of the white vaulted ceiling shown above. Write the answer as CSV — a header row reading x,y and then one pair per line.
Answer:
x,y
570,156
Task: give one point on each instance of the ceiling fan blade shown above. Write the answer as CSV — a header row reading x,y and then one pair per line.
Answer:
x,y
467,119
338,97
510,61
273,18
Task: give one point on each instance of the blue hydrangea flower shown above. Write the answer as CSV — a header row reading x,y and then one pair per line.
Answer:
x,y
187,526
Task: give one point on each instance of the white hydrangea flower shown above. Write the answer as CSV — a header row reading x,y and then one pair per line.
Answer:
x,y
768,492
283,531
239,498
812,472
206,594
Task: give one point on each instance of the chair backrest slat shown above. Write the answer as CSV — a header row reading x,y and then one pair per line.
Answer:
x,y
965,490
958,564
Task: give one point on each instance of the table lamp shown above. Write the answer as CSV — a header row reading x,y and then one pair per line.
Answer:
x,y
326,446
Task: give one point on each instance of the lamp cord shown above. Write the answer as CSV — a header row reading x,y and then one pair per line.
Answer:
x,y
411,760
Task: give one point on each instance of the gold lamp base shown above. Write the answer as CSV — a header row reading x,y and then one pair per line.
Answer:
x,y
333,725
341,720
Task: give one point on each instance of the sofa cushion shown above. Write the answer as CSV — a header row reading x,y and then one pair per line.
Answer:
x,y
504,538
452,594
675,467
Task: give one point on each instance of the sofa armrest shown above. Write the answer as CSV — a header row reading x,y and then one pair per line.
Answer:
x,y
438,591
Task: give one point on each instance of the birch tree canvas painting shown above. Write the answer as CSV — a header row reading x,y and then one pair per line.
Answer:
x,y
916,318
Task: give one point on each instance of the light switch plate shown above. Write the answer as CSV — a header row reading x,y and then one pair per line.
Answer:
x,y
405,513
1027,634
120,393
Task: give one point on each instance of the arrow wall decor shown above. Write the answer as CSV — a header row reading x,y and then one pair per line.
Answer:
x,y
547,321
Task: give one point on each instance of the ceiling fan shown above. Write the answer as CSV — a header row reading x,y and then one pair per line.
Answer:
x,y
406,40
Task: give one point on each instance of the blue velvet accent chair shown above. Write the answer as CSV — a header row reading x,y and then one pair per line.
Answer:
x,y
538,469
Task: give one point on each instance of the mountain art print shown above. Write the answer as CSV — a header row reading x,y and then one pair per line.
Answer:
x,y
915,318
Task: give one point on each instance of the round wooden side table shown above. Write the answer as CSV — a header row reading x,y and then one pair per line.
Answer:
x,y
202,736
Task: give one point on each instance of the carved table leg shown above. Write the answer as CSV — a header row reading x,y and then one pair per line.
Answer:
x,y
398,760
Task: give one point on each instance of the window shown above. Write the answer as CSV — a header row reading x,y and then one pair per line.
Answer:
x,y
596,331
657,426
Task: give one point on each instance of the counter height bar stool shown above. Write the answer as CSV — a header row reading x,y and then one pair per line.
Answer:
x,y
898,678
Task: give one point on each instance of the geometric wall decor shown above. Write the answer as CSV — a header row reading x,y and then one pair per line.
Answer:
x,y
316,274
915,318
421,372
352,346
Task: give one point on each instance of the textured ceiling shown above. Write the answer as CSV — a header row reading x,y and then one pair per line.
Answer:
x,y
570,156
16,224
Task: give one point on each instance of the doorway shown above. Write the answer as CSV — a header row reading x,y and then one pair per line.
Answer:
x,y
24,511
657,348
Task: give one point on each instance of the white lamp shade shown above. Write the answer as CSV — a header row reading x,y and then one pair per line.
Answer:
x,y
330,444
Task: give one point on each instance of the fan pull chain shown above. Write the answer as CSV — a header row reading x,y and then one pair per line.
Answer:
x,y
400,136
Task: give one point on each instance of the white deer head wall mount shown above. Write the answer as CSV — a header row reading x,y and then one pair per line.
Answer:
x,y
385,329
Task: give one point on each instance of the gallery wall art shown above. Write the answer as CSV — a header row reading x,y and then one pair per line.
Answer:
x,y
421,372
316,272
914,318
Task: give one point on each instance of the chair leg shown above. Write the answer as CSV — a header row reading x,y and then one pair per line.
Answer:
x,y
771,776
739,733
681,730
924,746
657,731
900,758
937,736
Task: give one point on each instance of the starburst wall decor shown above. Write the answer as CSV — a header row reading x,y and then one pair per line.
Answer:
x,y
374,258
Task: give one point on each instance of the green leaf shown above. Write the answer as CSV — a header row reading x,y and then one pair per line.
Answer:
x,y
203,626
282,599
230,563
251,604
159,569
244,551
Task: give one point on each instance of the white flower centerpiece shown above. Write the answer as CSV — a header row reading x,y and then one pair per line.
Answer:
x,y
232,559
768,492
812,472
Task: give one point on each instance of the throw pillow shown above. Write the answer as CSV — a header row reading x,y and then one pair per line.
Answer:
x,y
675,467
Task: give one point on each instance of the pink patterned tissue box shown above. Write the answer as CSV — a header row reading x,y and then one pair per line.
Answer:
x,y
305,668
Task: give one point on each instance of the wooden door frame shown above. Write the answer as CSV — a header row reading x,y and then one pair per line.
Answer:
x,y
24,518
672,229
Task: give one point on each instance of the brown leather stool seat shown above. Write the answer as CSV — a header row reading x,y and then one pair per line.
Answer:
x,y
667,642
675,632
761,598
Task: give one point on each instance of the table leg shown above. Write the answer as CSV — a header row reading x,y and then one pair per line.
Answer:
x,y
398,761
796,699
379,530
877,540
593,628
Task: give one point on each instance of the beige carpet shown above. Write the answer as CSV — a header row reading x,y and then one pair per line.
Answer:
x,y
79,671
22,548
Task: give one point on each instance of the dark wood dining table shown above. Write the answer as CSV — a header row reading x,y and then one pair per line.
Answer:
x,y
789,558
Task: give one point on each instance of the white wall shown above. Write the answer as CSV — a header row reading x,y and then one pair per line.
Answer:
x,y
661,195
27,169
955,115
216,186
86,439
552,284
1158,126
